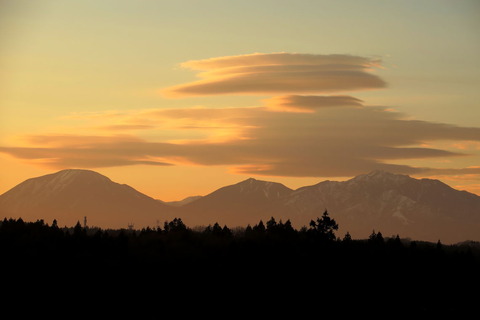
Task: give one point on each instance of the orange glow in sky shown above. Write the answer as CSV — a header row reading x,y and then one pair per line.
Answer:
x,y
179,99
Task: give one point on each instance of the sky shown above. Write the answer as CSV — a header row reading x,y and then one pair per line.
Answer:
x,y
179,98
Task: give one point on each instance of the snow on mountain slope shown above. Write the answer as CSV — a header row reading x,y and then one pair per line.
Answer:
x,y
425,209
422,209
391,203
69,195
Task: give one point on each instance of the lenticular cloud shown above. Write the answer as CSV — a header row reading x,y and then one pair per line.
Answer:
x,y
279,73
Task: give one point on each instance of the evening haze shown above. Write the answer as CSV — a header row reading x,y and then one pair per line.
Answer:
x,y
180,98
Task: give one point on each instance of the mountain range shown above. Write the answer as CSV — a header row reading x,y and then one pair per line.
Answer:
x,y
422,209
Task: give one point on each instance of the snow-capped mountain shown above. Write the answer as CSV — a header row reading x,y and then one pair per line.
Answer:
x,y
422,209
240,204
70,195
391,203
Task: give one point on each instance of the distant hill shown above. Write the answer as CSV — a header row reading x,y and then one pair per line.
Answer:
x,y
69,195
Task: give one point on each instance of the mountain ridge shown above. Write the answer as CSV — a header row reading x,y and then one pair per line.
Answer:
x,y
421,208
424,209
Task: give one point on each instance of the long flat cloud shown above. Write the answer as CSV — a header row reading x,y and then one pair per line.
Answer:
x,y
275,73
328,142
297,103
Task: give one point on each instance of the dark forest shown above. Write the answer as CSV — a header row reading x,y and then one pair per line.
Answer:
x,y
270,256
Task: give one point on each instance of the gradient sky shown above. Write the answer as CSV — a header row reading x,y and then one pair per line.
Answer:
x,y
178,98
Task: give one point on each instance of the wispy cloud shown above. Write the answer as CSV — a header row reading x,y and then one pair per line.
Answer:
x,y
276,73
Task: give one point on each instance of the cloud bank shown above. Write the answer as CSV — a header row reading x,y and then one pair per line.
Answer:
x,y
330,142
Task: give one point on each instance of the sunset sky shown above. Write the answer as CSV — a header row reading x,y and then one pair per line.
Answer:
x,y
179,98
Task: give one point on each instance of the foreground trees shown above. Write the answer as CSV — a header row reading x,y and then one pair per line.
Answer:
x,y
270,259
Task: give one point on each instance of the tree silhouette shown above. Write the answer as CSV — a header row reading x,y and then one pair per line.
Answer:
x,y
248,231
324,227
217,230
176,225
395,243
376,238
226,231
380,238
347,238
439,246
271,225
208,229
397,240
288,226
259,228
79,231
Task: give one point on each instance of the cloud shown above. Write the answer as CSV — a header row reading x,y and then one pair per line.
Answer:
x,y
467,145
281,58
76,151
473,188
79,141
294,134
125,127
296,103
276,73
329,142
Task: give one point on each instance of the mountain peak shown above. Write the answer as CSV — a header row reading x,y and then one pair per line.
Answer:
x,y
378,172
254,184
381,173
70,194
72,176
77,172
378,175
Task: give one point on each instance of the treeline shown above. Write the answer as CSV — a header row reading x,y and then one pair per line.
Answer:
x,y
176,242
272,258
